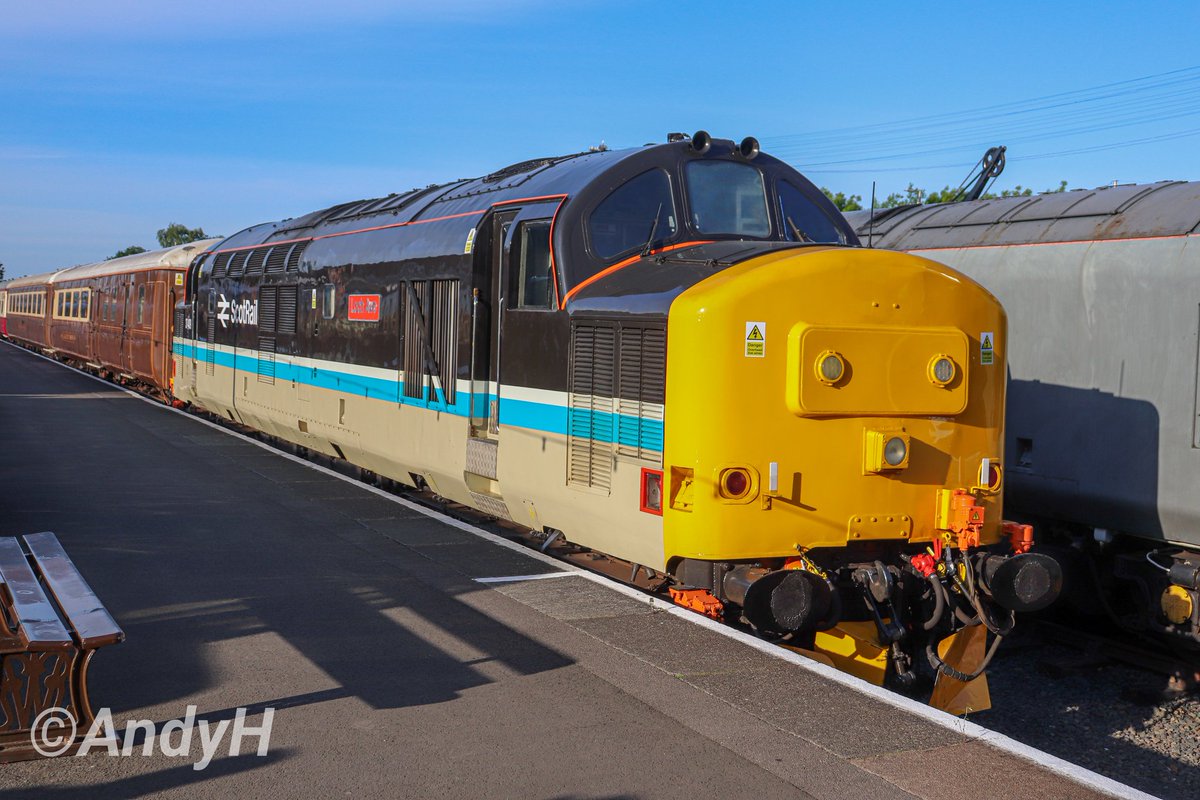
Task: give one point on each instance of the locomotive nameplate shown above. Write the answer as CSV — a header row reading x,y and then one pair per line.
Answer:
x,y
363,307
884,372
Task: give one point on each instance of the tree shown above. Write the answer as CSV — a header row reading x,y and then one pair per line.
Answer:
x,y
844,202
1,272
176,234
914,195
133,249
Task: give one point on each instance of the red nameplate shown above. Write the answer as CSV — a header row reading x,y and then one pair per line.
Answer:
x,y
364,307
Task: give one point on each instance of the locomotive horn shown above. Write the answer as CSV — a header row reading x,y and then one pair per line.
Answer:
x,y
780,601
701,141
1028,582
749,148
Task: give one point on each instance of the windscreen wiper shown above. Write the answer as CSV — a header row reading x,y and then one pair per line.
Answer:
x,y
653,230
800,235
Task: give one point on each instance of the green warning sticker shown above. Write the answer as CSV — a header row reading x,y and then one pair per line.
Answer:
x,y
987,349
756,339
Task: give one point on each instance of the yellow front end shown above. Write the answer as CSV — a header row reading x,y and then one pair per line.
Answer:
x,y
790,378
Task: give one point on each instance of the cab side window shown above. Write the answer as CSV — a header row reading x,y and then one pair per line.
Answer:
x,y
804,220
531,271
624,222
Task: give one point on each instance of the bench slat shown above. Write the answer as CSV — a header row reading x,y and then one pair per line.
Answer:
x,y
86,615
39,621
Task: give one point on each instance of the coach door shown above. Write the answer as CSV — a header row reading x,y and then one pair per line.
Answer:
x,y
159,356
124,348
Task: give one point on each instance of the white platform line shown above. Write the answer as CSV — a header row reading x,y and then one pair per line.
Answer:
x,y
1081,775
541,576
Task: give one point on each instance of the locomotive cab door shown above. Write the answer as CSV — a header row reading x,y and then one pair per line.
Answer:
x,y
512,340
483,404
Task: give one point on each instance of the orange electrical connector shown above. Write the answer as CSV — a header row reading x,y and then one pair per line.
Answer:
x,y
1019,536
958,513
698,600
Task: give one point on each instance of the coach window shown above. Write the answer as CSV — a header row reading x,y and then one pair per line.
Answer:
x,y
803,219
141,302
727,197
533,277
83,305
327,298
60,311
626,220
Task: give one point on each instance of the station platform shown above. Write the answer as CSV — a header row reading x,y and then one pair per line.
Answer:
x,y
408,655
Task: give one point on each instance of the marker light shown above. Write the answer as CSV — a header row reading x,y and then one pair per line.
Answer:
x,y
991,475
652,482
735,483
895,451
830,367
942,370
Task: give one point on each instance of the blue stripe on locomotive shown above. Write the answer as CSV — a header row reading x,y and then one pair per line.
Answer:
x,y
627,430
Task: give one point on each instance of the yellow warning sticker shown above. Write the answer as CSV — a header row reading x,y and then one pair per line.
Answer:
x,y
756,339
470,245
987,351
179,279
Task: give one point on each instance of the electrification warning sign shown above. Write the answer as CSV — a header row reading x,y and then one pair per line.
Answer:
x,y
756,339
987,348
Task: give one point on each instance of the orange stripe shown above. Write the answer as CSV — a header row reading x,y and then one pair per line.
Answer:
x,y
626,263
561,198
530,199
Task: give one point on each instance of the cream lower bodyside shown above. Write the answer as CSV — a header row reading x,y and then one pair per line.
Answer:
x,y
399,440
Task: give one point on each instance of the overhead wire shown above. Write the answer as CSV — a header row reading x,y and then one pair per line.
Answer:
x,y
1163,97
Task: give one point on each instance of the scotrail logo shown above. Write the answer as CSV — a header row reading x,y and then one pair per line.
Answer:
x,y
55,732
242,312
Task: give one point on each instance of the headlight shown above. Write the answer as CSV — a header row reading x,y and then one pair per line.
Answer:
x,y
895,451
830,367
942,370
884,451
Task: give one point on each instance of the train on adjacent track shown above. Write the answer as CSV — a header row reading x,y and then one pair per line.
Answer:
x,y
677,355
1103,427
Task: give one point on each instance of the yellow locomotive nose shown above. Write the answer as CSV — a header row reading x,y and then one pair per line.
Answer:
x,y
857,391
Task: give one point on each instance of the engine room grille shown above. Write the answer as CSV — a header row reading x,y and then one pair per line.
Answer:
x,y
268,305
277,259
293,258
615,405
221,264
285,320
254,266
642,379
266,359
210,355
430,320
589,411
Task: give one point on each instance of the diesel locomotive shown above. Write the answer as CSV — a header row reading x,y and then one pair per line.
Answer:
x,y
1103,446
677,355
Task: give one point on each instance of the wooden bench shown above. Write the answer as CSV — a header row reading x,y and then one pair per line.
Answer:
x,y
51,623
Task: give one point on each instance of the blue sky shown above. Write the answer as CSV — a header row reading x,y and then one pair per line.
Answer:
x,y
119,118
